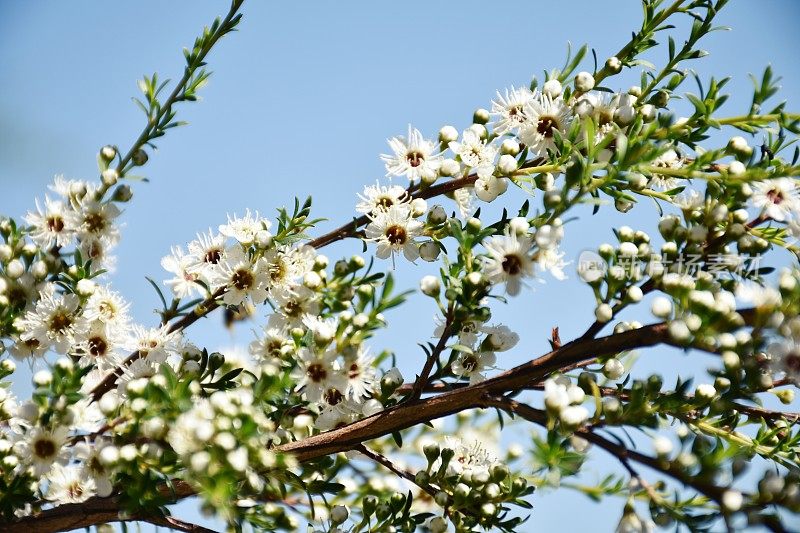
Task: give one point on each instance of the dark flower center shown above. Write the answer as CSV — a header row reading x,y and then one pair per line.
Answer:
x,y
354,371
44,448
415,159
470,363
55,223
316,372
60,322
384,201
775,196
333,396
792,362
396,235
213,256
512,264
97,346
546,126
94,222
242,279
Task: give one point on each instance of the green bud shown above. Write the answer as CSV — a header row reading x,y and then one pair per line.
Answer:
x,y
139,157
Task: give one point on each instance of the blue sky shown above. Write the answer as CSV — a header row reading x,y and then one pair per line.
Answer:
x,y
301,102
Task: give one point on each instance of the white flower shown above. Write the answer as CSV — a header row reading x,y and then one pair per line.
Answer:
x,y
69,484
669,159
489,187
99,346
470,456
292,305
244,229
95,220
500,338
473,365
394,231
475,152
317,372
762,297
547,117
414,157
689,200
509,110
287,265
51,225
662,445
359,371
184,284
785,359
98,250
93,466
778,198
574,415
508,261
108,307
42,448
555,395
465,198
241,278
55,321
551,260
378,198
270,345
205,253
153,344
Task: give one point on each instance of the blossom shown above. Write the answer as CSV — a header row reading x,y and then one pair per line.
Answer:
x,y
777,198
51,225
509,110
55,321
285,265
95,220
359,372
668,159
414,157
100,345
41,448
93,467
108,307
475,152
241,278
153,344
395,230
205,253
473,365
291,306
785,359
508,261
184,283
470,456
270,345
244,229
69,484
547,117
317,372
378,198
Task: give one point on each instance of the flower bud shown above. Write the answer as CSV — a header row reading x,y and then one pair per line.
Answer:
x,y
613,369
614,65
507,164
85,287
109,177
15,269
449,167
604,313
481,116
429,251
552,88
661,307
108,152
584,81
736,168
510,147
139,157
339,514
418,207
122,193
448,134
430,286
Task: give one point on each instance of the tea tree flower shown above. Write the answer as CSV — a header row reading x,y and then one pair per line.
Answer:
x,y
778,198
414,157
68,484
508,261
548,116
380,197
508,109
395,231
51,224
242,278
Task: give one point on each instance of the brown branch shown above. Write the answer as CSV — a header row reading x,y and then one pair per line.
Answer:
x,y
422,379
402,416
388,464
177,525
